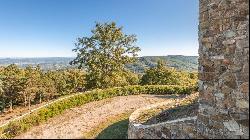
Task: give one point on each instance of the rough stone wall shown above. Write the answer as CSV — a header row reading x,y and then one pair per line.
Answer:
x,y
184,128
224,69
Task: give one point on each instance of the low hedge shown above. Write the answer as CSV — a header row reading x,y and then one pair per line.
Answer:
x,y
42,115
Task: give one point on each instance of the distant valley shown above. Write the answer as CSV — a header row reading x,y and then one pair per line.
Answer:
x,y
180,62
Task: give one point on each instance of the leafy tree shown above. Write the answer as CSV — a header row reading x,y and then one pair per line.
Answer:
x,y
1,95
12,85
75,80
47,89
188,78
59,80
1,87
105,54
159,75
162,75
32,84
131,78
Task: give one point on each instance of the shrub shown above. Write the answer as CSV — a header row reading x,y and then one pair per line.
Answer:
x,y
163,75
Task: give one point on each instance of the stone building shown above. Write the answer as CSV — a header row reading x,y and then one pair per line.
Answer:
x,y
223,77
223,69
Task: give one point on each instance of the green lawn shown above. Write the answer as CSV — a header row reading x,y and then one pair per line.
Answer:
x,y
114,128
117,130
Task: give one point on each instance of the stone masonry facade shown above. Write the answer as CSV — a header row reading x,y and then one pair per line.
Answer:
x,y
223,78
223,69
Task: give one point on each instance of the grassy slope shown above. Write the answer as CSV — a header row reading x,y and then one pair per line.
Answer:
x,y
113,128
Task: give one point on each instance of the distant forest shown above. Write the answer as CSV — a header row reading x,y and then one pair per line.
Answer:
x,y
180,62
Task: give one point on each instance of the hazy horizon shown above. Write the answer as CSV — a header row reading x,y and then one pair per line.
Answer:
x,y
74,57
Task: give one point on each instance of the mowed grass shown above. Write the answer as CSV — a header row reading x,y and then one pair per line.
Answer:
x,y
113,128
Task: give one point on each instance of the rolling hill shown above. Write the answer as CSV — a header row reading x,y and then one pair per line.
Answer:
x,y
180,62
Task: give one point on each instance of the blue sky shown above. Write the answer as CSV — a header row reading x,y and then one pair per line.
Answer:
x,y
47,28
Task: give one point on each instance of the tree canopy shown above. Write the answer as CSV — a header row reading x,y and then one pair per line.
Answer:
x,y
22,87
163,75
104,54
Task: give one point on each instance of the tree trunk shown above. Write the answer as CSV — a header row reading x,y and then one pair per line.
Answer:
x,y
3,106
29,103
11,105
25,100
40,100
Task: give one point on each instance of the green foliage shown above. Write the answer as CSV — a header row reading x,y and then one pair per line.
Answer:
x,y
43,114
187,78
68,81
32,83
12,85
132,78
179,62
22,87
1,95
105,54
162,75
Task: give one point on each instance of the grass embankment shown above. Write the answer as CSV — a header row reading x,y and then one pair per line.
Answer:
x,y
113,128
186,107
42,115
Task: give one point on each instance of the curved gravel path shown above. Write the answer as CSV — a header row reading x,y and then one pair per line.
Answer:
x,y
74,122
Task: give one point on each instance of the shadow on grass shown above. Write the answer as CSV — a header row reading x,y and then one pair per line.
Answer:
x,y
182,111
117,130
